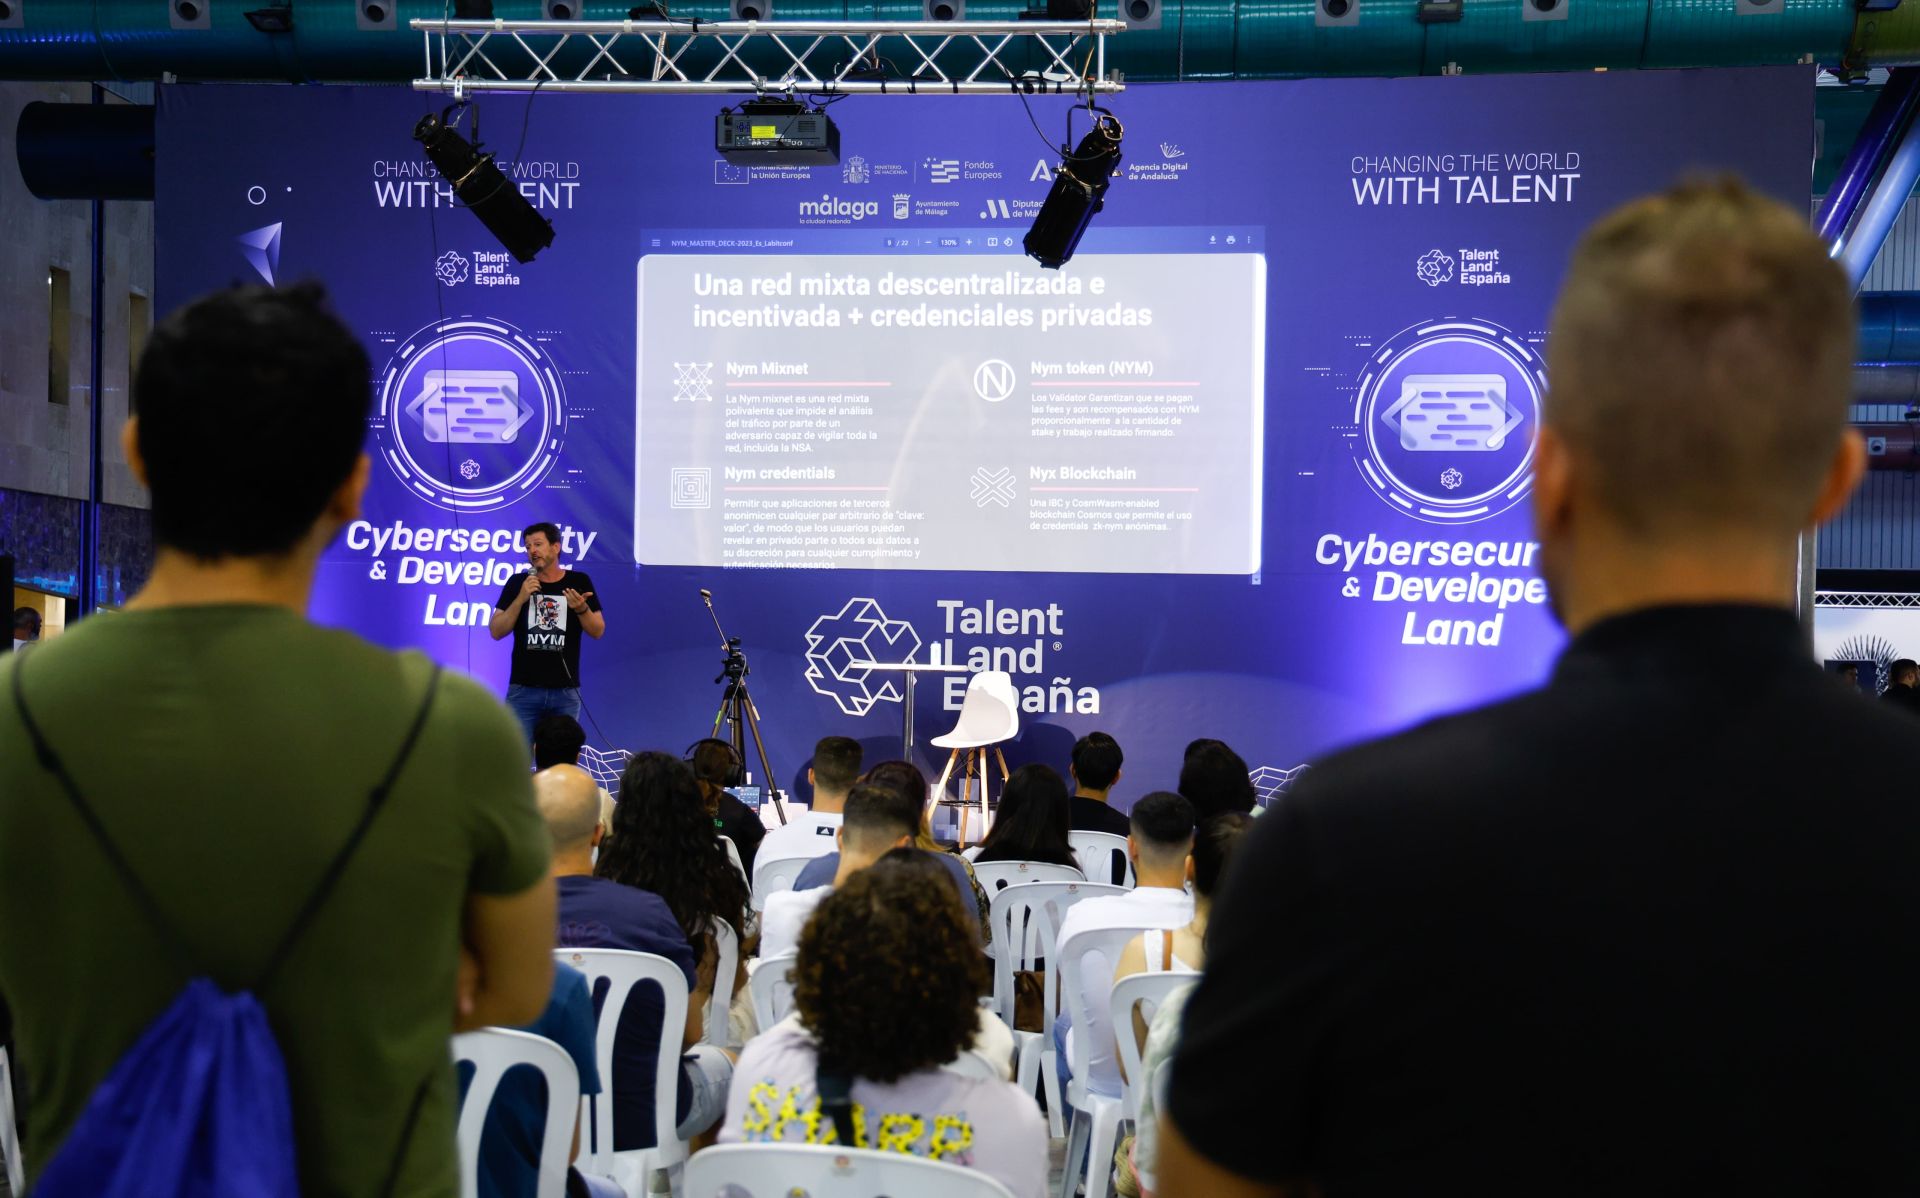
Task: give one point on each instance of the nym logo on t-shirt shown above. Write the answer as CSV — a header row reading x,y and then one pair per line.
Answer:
x,y
556,641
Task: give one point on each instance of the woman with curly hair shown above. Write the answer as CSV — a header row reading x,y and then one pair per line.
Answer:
x,y
886,992
664,842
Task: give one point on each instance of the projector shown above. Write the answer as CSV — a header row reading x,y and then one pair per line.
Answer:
x,y
771,132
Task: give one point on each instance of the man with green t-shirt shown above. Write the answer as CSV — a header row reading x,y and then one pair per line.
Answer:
x,y
229,746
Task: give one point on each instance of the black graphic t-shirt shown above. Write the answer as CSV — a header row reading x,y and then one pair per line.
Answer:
x,y
546,636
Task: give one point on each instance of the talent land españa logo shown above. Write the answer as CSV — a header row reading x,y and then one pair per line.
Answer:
x,y
858,632
1021,641
451,269
1434,268
471,414
1444,417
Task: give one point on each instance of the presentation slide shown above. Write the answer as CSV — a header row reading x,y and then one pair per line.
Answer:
x,y
946,404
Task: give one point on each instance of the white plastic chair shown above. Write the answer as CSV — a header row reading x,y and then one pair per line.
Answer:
x,y
1025,919
733,856
1096,1117
10,1131
829,1171
727,953
1096,851
1145,991
624,970
996,876
493,1051
771,987
772,875
989,714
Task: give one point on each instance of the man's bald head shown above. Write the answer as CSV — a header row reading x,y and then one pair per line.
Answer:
x,y
570,803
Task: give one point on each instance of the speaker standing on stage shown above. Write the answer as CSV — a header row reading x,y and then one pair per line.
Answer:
x,y
559,605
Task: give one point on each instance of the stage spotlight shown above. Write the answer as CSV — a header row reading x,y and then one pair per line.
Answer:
x,y
481,186
1079,191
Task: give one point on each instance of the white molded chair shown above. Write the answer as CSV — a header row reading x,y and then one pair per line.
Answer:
x,y
829,1171
1025,919
996,876
771,985
623,970
733,856
1096,1117
726,945
10,1130
493,1051
1096,851
772,875
1145,991
989,714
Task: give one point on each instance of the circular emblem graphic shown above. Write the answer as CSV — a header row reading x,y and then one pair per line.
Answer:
x,y
1446,415
471,414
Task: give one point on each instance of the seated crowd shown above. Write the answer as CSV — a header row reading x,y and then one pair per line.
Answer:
x,y
1463,959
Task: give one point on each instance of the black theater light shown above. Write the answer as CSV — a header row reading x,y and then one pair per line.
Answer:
x,y
1079,190
480,185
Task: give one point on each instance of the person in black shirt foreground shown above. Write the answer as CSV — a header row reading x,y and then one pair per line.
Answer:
x,y
558,606
1621,935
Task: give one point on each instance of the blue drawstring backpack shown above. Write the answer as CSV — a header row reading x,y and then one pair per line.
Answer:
x,y
198,1107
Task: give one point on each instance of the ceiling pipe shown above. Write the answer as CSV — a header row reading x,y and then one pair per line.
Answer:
x,y
1893,110
1891,446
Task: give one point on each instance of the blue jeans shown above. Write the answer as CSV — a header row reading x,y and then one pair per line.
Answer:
x,y
531,702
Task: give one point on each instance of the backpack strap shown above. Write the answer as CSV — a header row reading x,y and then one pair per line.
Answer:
x,y
50,761
376,799
176,944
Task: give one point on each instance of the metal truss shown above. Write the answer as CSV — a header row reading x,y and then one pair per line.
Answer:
x,y
823,58
1865,599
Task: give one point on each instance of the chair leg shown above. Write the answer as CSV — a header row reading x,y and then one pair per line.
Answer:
x,y
986,813
966,792
1105,1139
1077,1137
1056,1102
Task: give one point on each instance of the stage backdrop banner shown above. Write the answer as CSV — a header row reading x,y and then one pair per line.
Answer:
x,y
1255,465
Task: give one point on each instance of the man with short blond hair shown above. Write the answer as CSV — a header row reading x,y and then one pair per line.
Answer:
x,y
1621,934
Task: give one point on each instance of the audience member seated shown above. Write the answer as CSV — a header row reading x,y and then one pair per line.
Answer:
x,y
663,849
810,833
1179,950
1096,768
1159,845
716,766
1031,824
516,1121
906,777
887,990
558,739
228,746
1215,779
26,627
878,819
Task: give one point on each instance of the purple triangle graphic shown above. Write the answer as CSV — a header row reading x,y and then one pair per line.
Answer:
x,y
262,248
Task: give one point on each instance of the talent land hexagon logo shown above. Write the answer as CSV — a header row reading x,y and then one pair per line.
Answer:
x,y
1434,268
451,268
858,632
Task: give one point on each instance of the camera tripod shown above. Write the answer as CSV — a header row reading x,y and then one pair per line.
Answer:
x,y
737,711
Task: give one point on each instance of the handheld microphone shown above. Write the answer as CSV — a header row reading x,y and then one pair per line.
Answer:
x,y
706,594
